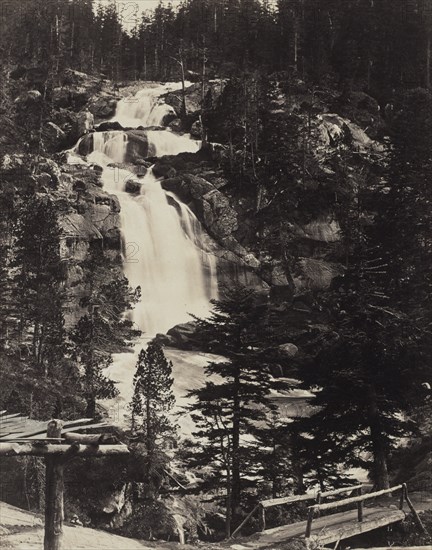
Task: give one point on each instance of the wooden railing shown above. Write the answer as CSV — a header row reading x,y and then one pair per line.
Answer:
x,y
359,500
270,503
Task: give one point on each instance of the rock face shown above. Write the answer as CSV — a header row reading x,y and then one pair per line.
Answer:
x,y
137,145
84,123
220,220
103,106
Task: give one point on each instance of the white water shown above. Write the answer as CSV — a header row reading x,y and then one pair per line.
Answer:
x,y
164,247
145,108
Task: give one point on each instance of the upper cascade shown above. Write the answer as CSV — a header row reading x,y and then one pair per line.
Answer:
x,y
145,108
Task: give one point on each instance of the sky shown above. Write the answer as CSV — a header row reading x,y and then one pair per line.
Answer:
x,y
131,9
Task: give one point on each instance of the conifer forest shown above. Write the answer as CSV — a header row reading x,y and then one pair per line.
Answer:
x,y
215,274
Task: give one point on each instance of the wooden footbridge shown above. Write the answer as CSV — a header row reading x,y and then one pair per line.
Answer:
x,y
320,530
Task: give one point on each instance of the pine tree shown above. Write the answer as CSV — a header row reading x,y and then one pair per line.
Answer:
x,y
103,330
226,412
151,406
38,281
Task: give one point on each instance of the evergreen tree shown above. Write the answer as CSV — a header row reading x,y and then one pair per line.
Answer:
x,y
226,412
103,330
38,281
151,405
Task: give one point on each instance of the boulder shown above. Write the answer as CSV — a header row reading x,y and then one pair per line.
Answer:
x,y
109,126
183,336
43,180
218,215
85,145
315,274
137,145
84,123
70,97
103,106
133,186
288,350
176,125
32,97
162,170
196,129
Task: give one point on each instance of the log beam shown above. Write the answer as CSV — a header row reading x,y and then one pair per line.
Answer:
x,y
53,449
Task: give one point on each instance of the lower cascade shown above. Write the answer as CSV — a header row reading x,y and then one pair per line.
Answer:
x,y
164,246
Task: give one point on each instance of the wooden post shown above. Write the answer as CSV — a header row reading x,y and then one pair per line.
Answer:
x,y
263,518
360,506
417,519
319,500
402,497
53,493
309,522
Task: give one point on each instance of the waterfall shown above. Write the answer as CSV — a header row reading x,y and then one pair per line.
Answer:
x,y
164,247
112,144
165,142
145,108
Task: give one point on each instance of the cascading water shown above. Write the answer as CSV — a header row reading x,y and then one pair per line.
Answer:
x,y
145,108
164,247
165,252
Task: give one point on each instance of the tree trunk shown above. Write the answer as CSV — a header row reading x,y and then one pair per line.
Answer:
x,y
228,506
428,58
235,481
91,407
380,474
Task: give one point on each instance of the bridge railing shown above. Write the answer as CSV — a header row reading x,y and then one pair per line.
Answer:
x,y
359,500
263,505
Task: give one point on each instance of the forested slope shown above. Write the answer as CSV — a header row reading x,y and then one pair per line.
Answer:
x,y
313,185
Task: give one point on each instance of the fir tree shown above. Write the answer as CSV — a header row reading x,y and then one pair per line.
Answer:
x,y
103,330
151,406
226,412
38,281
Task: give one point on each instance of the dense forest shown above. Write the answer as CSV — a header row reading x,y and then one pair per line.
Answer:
x,y
347,317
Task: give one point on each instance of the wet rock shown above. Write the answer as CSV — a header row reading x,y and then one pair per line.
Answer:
x,y
176,125
109,126
139,169
162,170
85,146
133,186
137,145
169,119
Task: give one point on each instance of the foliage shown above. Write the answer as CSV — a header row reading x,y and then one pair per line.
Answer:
x,y
103,330
152,427
234,401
